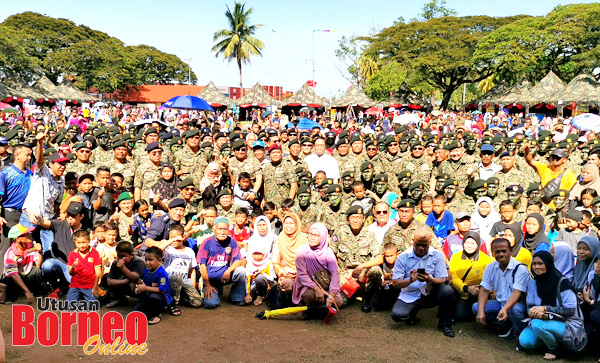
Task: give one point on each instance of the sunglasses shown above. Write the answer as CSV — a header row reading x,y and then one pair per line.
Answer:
x,y
393,144
307,145
372,149
381,212
417,148
487,153
242,149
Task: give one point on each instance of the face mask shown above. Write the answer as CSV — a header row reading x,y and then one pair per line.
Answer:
x,y
380,188
335,199
404,183
471,145
497,147
560,202
535,195
303,199
450,191
492,190
514,197
416,194
596,209
347,182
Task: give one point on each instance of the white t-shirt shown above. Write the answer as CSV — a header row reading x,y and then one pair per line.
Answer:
x,y
179,262
325,163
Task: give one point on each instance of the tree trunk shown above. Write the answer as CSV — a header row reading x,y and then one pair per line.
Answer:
x,y
241,83
447,95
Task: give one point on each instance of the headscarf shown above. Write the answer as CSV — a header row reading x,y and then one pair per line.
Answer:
x,y
256,241
288,245
209,177
546,283
516,230
580,186
482,224
317,257
583,268
391,198
167,188
253,266
475,255
564,260
531,241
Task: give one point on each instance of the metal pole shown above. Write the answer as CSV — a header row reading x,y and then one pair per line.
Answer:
x,y
464,93
313,58
273,62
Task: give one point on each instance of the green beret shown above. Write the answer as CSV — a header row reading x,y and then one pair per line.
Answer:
x,y
325,182
492,180
333,188
596,200
348,173
305,140
444,176
114,130
124,196
534,186
81,145
238,144
292,142
398,129
380,177
233,136
305,189
369,142
186,183
11,134
389,139
177,141
341,142
416,185
305,174
224,146
560,193
191,133
344,134
486,138
497,138
49,151
299,169
572,138
224,192
406,203
453,145
366,165
450,182
478,184
355,138
416,143
101,131
355,209
119,144
71,156
207,144
151,130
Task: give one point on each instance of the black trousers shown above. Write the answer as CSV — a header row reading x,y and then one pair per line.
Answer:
x,y
12,217
151,304
33,281
441,295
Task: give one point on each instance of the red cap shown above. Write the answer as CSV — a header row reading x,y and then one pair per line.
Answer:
x,y
274,147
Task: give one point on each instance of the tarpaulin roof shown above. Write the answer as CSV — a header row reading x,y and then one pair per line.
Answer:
x,y
48,89
354,96
257,96
305,96
542,92
515,93
582,89
213,96
22,89
71,92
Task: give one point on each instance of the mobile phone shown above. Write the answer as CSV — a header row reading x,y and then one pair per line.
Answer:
x,y
421,271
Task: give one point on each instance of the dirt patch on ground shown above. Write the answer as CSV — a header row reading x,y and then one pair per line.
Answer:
x,y
233,334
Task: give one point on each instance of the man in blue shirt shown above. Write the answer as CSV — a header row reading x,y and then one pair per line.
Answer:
x,y
420,273
508,278
14,186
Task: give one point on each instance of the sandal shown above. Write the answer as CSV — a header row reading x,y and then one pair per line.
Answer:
x,y
2,293
155,320
175,311
259,300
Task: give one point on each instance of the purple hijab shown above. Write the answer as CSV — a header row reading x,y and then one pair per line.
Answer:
x,y
310,260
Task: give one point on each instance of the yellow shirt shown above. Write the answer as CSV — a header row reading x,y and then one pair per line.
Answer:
x,y
546,175
524,256
458,268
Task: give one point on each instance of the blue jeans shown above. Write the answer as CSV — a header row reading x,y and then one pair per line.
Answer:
x,y
46,235
76,294
54,269
238,289
515,315
539,331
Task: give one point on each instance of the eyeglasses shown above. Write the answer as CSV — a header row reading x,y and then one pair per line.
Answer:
x,y
84,151
242,149
417,148
189,188
381,212
371,149
314,235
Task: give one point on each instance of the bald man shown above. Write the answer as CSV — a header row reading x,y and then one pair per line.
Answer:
x,y
420,273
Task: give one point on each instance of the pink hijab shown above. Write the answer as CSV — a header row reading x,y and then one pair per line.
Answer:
x,y
212,176
317,257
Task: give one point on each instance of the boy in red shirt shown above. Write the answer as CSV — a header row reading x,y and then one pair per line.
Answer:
x,y
85,268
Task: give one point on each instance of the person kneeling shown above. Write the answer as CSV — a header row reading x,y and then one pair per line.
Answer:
x,y
420,273
153,290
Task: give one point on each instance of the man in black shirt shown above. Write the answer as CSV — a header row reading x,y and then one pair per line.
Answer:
x,y
124,273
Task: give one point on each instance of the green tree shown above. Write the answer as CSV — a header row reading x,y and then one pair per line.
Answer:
x,y
438,52
237,42
388,79
159,67
436,9
348,54
14,59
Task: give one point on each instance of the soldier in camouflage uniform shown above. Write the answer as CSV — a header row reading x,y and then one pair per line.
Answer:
x,y
367,174
82,165
416,191
120,164
333,214
140,156
147,175
463,172
510,174
347,181
493,188
102,155
193,204
187,158
514,193
388,161
478,189
282,181
401,233
294,157
343,157
456,199
241,162
306,211
225,207
357,154
417,164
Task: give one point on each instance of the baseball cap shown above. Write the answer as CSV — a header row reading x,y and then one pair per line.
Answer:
x,y
487,147
561,153
461,215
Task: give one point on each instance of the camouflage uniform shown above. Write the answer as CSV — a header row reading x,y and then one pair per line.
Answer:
x,y
124,223
81,168
187,158
295,164
574,162
352,250
402,237
278,181
141,156
420,170
511,177
146,176
230,214
384,161
333,220
461,203
128,171
249,165
191,208
308,216
101,157
521,212
458,171
345,163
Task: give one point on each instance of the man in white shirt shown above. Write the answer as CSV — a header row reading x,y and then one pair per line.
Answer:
x,y
486,167
321,160
382,221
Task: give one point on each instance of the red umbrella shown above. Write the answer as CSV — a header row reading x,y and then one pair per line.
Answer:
x,y
374,111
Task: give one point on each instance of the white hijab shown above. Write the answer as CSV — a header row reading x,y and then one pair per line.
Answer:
x,y
483,225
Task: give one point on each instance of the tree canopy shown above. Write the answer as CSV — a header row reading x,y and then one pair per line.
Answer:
x,y
32,44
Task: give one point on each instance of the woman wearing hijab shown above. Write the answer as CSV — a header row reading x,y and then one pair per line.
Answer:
x,y
211,184
587,250
535,238
467,271
513,234
484,218
310,258
553,307
590,178
259,272
564,259
262,236
286,247
165,189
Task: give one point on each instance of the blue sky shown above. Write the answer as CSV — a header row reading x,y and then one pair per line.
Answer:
x,y
186,28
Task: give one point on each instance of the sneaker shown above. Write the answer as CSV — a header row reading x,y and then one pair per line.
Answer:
x,y
54,294
507,334
448,331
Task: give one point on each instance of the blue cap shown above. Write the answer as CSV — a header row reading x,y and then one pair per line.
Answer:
x,y
3,140
487,147
258,143
506,153
266,113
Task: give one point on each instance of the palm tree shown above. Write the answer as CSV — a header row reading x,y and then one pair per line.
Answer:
x,y
367,68
237,42
486,84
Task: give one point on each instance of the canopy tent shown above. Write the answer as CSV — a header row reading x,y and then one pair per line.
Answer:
x,y
404,97
491,97
515,93
22,90
354,96
74,94
305,96
6,92
48,89
213,96
307,124
541,93
257,97
583,89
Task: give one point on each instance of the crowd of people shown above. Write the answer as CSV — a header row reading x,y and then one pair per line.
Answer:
x,y
489,218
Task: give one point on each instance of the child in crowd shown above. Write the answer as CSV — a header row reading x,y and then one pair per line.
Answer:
x,y
141,222
85,185
453,243
441,220
85,268
426,207
574,231
108,249
101,196
124,274
123,215
319,177
239,230
180,263
274,216
259,272
116,185
153,289
588,227
534,206
70,185
587,196
507,213
365,198
97,235
286,206
242,191
200,232
385,297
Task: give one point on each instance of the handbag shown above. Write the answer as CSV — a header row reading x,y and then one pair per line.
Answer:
x,y
551,186
574,336
322,278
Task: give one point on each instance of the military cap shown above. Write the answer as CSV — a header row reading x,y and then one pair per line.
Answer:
x,y
492,180
124,196
348,173
305,174
81,145
406,203
292,142
453,145
304,189
389,139
575,215
370,142
177,203
398,129
355,209
340,142
507,153
299,169
534,186
366,165
596,200
119,144
114,130
355,138
11,134
515,188
416,185
207,144
151,130
498,138
185,183
49,151
152,146
325,182
449,182
238,144
176,141
404,174
166,136
380,177
71,156
306,140
416,143
560,193
224,192
233,136
333,188
225,146
101,131
344,134
479,184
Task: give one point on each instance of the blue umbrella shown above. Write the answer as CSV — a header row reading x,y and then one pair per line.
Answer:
x,y
586,122
307,124
188,103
